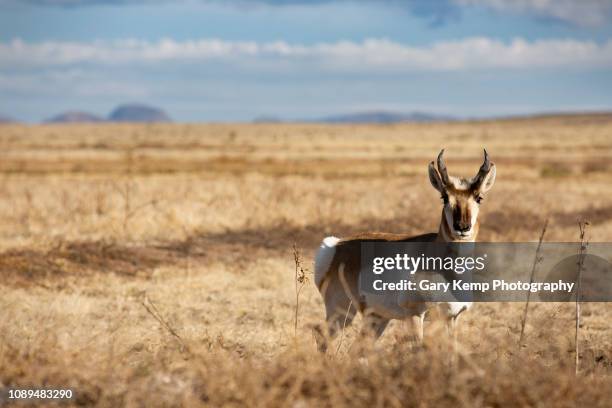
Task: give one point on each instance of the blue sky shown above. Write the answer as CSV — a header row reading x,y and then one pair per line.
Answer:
x,y
235,60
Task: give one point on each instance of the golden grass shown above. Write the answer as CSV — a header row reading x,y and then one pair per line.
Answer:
x,y
200,220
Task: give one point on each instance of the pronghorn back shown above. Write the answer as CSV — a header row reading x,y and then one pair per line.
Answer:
x,y
339,259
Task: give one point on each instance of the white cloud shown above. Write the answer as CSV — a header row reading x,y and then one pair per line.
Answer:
x,y
372,55
580,12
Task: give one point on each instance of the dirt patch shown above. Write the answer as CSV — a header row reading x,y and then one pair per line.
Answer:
x,y
24,267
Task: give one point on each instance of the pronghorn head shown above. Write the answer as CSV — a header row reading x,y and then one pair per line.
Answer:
x,y
462,198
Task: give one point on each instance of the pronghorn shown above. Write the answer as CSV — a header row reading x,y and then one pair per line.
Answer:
x,y
337,261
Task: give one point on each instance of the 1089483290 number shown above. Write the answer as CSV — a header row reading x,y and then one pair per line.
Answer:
x,y
38,393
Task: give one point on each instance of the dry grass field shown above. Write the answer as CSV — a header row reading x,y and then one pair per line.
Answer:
x,y
153,265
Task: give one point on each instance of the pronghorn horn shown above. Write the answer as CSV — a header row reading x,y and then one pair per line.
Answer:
x,y
442,168
484,169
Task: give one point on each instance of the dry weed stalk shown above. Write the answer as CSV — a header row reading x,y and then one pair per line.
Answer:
x,y
126,193
300,281
536,261
584,243
152,309
129,210
348,310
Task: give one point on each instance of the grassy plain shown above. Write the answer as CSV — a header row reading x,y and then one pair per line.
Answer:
x,y
152,265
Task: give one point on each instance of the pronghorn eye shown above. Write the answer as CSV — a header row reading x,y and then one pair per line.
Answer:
x,y
445,199
478,199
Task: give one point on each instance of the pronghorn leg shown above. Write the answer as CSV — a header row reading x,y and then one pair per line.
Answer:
x,y
372,328
418,323
339,311
413,335
373,325
416,318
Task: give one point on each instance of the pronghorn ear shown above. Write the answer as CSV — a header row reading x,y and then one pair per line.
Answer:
x,y
435,179
488,180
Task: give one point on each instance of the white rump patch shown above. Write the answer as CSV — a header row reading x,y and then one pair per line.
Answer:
x,y
324,258
330,242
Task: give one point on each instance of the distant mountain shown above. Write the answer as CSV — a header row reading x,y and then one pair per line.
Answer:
x,y
385,117
267,119
576,118
138,113
75,117
6,119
